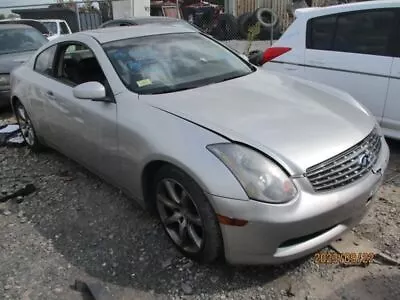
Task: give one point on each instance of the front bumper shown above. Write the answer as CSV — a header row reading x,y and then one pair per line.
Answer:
x,y
284,232
4,98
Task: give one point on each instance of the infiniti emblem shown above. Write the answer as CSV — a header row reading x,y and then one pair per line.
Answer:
x,y
364,159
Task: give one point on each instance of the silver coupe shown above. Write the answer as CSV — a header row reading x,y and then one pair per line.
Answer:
x,y
237,162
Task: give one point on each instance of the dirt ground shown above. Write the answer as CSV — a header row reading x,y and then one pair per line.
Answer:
x,y
77,227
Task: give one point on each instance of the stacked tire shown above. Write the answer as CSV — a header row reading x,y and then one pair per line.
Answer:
x,y
226,28
230,28
268,20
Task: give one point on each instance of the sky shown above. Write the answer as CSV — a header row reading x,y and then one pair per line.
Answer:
x,y
20,2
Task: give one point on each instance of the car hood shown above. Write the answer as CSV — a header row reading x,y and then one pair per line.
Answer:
x,y
297,123
10,61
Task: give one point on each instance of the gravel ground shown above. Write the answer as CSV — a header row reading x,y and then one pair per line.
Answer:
x,y
75,226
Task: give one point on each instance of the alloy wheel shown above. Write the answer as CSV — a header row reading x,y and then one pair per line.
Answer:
x,y
180,216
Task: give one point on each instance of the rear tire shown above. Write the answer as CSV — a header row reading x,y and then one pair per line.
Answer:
x,y
27,129
186,215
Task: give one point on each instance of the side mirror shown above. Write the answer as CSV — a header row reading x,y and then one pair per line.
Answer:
x,y
91,90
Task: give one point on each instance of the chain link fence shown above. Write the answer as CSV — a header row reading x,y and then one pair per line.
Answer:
x,y
237,23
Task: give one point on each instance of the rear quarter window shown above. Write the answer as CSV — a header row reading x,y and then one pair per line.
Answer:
x,y
320,33
364,32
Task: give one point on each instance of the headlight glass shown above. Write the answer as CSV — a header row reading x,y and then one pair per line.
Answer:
x,y
260,177
4,79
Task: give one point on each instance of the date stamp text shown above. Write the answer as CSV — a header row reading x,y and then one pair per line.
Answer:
x,y
347,258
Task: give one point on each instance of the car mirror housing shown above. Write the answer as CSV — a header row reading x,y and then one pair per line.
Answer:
x,y
91,90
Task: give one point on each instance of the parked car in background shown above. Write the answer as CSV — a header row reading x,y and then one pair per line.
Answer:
x,y
236,161
56,28
33,23
353,47
147,20
17,43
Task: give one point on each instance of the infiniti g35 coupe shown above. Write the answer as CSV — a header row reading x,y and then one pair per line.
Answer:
x,y
237,162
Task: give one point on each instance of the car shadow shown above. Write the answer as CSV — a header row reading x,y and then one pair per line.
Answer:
x,y
105,234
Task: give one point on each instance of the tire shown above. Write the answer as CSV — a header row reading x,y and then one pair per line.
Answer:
x,y
27,130
193,211
227,27
244,22
267,17
265,33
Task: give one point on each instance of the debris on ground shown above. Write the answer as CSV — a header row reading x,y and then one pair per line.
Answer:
x,y
91,291
386,259
21,192
351,243
10,135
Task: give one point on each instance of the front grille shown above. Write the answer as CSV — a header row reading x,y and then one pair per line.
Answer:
x,y
346,167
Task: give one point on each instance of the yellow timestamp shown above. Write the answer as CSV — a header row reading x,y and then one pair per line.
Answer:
x,y
347,258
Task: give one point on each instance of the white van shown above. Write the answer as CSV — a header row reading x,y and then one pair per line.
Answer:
x,y
56,28
354,47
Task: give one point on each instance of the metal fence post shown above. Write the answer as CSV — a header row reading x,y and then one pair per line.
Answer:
x,y
78,17
272,28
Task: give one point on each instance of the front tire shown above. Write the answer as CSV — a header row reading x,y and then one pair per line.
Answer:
x,y
27,130
186,215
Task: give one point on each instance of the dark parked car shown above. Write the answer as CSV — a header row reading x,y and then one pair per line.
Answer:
x,y
17,43
33,23
146,20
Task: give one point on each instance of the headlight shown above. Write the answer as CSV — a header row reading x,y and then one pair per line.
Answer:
x,y
4,79
260,177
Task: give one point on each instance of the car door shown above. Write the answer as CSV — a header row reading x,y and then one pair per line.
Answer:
x,y
391,117
84,130
351,51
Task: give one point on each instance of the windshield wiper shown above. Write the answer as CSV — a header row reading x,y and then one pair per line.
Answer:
x,y
171,90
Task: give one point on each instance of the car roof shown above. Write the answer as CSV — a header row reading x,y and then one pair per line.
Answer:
x,y
110,34
333,9
50,20
143,20
13,26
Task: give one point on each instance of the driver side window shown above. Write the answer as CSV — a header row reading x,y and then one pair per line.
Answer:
x,y
77,64
44,61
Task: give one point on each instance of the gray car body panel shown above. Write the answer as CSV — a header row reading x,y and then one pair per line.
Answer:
x,y
292,121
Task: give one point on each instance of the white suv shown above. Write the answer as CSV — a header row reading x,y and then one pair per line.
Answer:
x,y
56,28
353,47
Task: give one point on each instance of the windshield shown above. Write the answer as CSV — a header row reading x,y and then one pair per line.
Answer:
x,y
20,40
172,62
51,27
